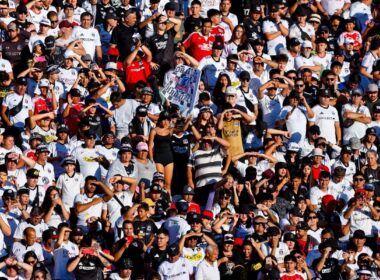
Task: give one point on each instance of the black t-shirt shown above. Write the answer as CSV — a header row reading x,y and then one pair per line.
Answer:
x,y
330,270
134,251
148,227
253,29
155,257
162,47
88,268
192,24
181,145
122,37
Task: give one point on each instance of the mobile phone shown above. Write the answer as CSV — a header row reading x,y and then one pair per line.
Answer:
x,y
88,251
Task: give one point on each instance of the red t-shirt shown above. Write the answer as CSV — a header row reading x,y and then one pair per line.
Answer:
x,y
315,171
295,276
218,31
73,119
135,72
198,45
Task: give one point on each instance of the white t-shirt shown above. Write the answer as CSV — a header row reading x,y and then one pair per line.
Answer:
x,y
67,77
296,122
113,207
39,228
362,12
19,250
277,43
47,176
88,165
368,61
361,219
207,271
316,195
211,69
12,100
324,62
295,32
4,151
326,118
93,211
271,108
357,129
70,187
331,6
5,65
281,252
180,270
90,39
36,18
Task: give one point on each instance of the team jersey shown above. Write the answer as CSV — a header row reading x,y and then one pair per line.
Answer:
x,y
90,39
69,187
199,45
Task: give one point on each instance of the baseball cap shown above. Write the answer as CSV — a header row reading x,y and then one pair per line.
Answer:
x,y
369,187
346,150
188,190
149,202
244,75
307,44
193,217
228,238
44,83
294,42
147,91
290,236
205,109
111,15
142,146
141,111
45,21
207,214
126,148
314,129
370,131
35,136
21,9
22,81
359,234
357,92
126,263
12,26
230,91
182,206
327,199
65,23
315,17
86,57
171,6
293,147
372,88
173,250
355,143
111,66
9,193
113,51
42,148
156,188
49,42
63,128
349,41
69,160
158,176
218,45
52,69
77,231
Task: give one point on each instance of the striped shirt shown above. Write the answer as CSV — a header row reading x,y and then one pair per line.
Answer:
x,y
207,166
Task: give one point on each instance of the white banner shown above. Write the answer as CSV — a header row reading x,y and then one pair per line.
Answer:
x,y
182,88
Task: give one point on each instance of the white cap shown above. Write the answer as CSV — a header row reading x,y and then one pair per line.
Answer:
x,y
45,21
69,54
230,91
111,66
318,152
349,41
307,44
293,147
44,83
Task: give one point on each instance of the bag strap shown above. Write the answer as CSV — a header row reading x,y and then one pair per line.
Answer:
x,y
118,200
303,32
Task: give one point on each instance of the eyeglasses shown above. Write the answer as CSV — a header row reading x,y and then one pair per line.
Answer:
x,y
359,179
312,217
292,77
299,85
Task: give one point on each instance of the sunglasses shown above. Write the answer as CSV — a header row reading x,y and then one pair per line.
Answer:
x,y
299,85
359,179
225,198
260,224
312,217
245,80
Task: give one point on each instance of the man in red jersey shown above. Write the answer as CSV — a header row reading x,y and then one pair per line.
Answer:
x,y
199,44
290,267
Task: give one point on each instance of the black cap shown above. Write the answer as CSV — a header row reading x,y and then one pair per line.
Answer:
x,y
63,128
49,42
22,81
126,263
142,111
33,173
77,231
346,150
182,206
156,188
35,136
173,250
164,115
9,193
126,148
359,234
21,9
90,134
274,8
244,75
294,42
193,217
111,15
324,92
218,45
188,190
371,131
290,236
69,160
225,192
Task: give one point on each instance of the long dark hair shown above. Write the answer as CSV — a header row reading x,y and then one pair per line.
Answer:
x,y
243,38
46,204
218,94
